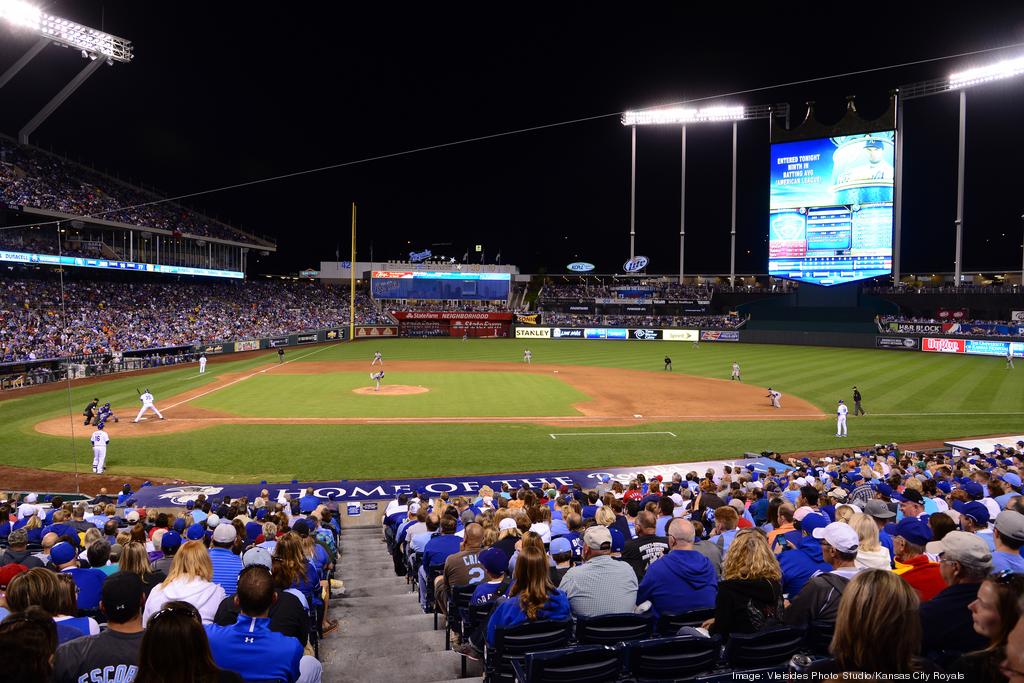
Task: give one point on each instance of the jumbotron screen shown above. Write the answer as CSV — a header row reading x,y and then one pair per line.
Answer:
x,y
831,208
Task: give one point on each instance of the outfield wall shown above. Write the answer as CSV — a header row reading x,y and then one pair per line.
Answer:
x,y
283,341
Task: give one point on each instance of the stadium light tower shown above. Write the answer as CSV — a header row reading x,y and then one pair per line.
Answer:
x,y
97,46
683,117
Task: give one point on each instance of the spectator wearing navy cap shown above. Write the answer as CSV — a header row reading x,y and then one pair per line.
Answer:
x,y
89,581
561,553
803,561
974,518
945,619
917,569
169,544
911,504
1009,539
495,563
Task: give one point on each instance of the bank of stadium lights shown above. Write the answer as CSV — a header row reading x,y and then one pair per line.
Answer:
x,y
682,115
1008,68
92,42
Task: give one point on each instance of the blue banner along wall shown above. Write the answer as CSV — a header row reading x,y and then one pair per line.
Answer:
x,y
386,489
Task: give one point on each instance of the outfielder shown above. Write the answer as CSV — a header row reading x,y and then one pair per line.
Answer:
x,y
1009,358
147,404
528,357
668,363
377,358
775,397
202,363
377,377
841,412
99,440
735,372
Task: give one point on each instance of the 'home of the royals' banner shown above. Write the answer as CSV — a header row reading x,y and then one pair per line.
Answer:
x,y
346,490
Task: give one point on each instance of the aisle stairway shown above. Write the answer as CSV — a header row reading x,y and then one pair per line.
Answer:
x,y
383,633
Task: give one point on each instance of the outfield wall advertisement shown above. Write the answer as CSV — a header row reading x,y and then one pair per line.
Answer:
x,y
972,347
622,333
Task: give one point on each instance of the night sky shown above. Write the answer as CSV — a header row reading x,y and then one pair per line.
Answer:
x,y
225,92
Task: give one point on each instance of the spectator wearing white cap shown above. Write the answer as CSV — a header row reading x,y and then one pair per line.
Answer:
x,y
945,619
601,585
226,564
1008,537
818,600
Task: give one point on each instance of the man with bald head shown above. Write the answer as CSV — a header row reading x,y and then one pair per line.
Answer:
x,y
462,568
683,579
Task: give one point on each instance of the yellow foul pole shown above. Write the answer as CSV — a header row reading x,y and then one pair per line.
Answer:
x,y
352,281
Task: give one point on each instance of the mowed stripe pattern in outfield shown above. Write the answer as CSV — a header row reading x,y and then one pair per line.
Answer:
x,y
909,395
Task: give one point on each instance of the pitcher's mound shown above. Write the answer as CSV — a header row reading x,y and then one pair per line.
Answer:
x,y
392,390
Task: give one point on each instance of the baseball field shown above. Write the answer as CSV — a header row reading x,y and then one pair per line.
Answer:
x,y
462,407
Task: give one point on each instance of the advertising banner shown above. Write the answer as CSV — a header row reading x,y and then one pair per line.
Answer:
x,y
527,319
580,308
277,342
720,335
351,492
248,345
982,347
334,335
1017,316
306,338
916,328
679,335
375,331
645,334
451,315
898,343
605,333
956,314
533,333
207,349
942,345
567,333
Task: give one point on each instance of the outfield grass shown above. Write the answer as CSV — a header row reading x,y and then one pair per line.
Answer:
x,y
909,396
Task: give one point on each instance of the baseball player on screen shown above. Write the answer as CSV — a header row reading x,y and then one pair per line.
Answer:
x,y
377,358
735,372
202,363
775,397
841,412
99,441
147,404
377,377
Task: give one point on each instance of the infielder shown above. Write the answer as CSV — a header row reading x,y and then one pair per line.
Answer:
x,y
377,358
99,440
857,409
377,377
735,372
202,363
668,363
1009,359
841,412
775,397
528,357
147,404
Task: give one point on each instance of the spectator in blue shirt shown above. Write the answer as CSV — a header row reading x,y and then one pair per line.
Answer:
x,y
437,551
249,647
665,507
308,502
802,562
226,564
532,597
1008,537
683,579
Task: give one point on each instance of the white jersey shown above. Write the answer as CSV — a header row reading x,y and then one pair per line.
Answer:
x,y
842,410
202,360
147,399
735,368
775,395
99,439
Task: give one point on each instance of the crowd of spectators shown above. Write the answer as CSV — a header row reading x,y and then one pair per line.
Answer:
x,y
104,317
992,288
33,178
730,322
447,305
584,290
229,590
966,327
899,562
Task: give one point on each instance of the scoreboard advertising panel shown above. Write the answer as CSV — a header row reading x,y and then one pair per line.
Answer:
x,y
831,208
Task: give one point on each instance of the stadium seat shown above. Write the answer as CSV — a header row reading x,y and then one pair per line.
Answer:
x,y
670,659
514,643
458,605
819,636
610,629
769,648
669,623
583,663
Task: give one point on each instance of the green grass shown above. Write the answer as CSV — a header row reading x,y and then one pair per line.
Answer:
x,y
909,396
452,394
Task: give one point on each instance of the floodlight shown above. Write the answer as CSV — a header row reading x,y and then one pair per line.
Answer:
x,y
67,33
682,115
1008,68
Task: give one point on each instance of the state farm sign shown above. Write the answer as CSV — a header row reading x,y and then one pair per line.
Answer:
x,y
943,345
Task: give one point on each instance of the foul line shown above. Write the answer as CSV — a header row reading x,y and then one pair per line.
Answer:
x,y
555,436
242,379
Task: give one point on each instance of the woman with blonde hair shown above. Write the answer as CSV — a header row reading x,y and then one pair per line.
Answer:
x,y
190,580
878,628
34,528
871,554
532,596
135,560
844,513
750,592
